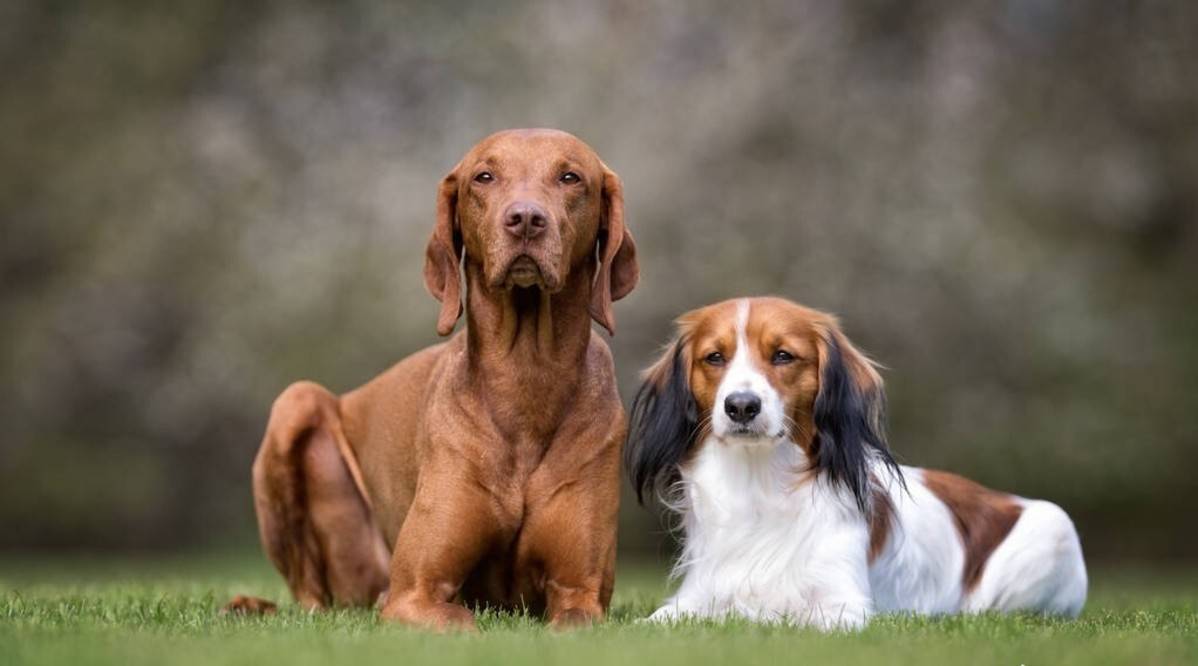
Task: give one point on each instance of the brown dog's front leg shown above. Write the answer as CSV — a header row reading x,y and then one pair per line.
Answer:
x,y
445,534
573,534
579,573
580,560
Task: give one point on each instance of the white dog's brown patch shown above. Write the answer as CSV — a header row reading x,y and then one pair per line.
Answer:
x,y
984,517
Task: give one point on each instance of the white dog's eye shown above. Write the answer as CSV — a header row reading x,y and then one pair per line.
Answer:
x,y
570,178
714,358
782,357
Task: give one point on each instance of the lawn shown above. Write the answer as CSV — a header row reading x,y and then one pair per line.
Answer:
x,y
165,611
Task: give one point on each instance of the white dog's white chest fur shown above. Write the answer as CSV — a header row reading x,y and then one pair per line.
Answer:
x,y
766,541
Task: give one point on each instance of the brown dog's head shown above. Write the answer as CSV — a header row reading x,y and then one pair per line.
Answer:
x,y
530,207
759,373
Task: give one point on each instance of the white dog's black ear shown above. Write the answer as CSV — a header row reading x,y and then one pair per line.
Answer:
x,y
664,423
850,416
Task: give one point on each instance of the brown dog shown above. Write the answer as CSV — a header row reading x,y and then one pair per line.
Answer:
x,y
486,468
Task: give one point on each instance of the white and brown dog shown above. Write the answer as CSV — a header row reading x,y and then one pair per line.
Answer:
x,y
764,425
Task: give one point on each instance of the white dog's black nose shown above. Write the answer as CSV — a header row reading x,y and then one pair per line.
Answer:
x,y
742,406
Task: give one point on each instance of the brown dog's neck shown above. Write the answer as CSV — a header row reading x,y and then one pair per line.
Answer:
x,y
531,325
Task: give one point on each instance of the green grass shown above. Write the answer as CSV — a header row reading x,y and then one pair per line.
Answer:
x,y
164,611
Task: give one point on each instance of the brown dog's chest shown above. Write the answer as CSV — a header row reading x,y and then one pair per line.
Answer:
x,y
523,483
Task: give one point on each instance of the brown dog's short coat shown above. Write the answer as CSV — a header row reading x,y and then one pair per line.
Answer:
x,y
484,469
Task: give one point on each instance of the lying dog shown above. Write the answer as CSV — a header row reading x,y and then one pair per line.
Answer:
x,y
483,470
766,423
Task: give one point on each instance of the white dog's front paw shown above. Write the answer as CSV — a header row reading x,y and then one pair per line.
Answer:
x,y
667,614
844,618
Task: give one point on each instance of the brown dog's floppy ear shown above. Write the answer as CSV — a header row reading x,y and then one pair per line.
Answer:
x,y
441,259
618,270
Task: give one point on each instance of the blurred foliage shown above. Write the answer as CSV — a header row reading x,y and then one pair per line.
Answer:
x,y
203,201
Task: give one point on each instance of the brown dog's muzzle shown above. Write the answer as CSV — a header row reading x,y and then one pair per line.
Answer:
x,y
529,251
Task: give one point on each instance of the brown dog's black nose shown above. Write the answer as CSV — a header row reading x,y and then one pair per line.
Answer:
x,y
742,406
525,219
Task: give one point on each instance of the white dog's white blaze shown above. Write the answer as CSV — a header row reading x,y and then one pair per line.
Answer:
x,y
744,375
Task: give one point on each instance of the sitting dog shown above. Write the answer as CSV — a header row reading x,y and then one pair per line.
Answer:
x,y
764,425
484,470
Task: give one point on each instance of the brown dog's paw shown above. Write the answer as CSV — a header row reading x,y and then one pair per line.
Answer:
x,y
441,617
573,618
246,605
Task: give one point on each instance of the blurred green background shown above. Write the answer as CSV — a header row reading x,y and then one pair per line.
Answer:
x,y
203,201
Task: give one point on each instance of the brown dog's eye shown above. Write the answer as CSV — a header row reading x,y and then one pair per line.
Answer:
x,y
782,357
570,178
484,177
714,358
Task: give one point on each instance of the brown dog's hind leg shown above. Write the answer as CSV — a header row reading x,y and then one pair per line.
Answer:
x,y
313,518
